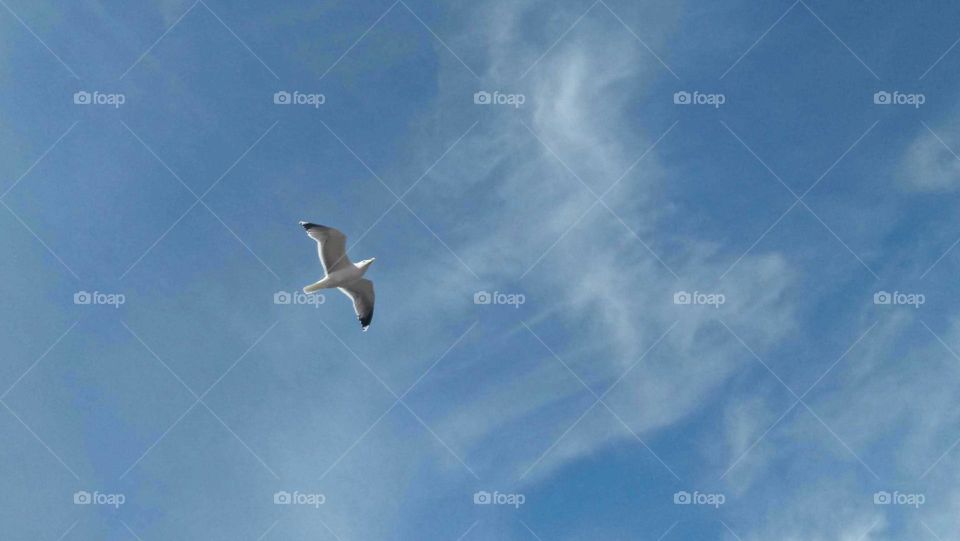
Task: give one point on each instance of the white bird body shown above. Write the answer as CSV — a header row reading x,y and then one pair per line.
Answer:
x,y
341,273
340,277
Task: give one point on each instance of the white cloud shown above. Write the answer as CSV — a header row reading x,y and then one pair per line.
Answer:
x,y
928,164
607,284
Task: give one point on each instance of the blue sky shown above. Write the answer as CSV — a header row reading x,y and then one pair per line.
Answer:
x,y
788,392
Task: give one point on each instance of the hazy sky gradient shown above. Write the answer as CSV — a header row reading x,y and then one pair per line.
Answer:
x,y
598,399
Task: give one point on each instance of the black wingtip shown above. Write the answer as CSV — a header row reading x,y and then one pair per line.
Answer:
x,y
310,225
365,321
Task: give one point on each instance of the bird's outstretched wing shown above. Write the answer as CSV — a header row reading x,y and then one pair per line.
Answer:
x,y
361,293
331,245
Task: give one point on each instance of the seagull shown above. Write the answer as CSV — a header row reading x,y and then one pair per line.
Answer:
x,y
341,273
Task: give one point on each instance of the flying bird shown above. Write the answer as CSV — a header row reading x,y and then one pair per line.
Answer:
x,y
341,273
